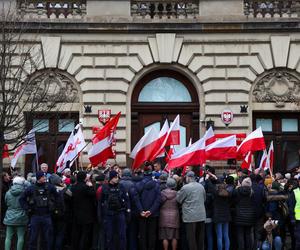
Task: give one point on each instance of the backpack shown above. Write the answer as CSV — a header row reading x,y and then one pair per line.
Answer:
x,y
283,209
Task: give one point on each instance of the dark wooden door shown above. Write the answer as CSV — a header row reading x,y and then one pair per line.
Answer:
x,y
53,131
283,129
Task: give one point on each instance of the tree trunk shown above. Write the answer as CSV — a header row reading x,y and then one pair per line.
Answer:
x,y
1,170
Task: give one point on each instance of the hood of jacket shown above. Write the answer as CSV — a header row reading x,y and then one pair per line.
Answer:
x,y
169,193
149,183
245,191
16,189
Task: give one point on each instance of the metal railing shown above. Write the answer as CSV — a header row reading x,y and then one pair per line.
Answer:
x,y
272,8
71,9
164,9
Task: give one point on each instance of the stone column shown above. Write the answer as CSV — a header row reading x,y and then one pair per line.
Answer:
x,y
112,8
221,8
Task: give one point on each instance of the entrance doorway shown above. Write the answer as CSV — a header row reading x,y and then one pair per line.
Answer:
x,y
283,130
52,133
162,95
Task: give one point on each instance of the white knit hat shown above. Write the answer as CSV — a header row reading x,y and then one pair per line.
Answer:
x,y
19,180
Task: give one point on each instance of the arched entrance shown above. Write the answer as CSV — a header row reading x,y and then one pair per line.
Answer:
x,y
161,95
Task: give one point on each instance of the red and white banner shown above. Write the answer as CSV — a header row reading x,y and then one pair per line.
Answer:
x,y
222,149
246,164
209,136
145,148
191,156
161,141
102,142
185,167
73,147
255,141
264,161
27,147
173,137
270,158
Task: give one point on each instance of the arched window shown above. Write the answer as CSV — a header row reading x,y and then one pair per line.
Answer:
x,y
164,89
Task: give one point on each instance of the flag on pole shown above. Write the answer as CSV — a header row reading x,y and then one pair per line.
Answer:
x,y
73,147
271,156
173,137
222,149
5,153
169,154
185,167
102,142
264,160
246,164
161,141
209,136
253,142
27,147
145,148
192,155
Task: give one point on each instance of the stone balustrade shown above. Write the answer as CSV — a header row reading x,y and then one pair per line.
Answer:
x,y
272,8
71,9
165,9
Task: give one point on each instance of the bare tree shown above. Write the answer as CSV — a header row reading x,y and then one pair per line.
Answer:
x,y
19,93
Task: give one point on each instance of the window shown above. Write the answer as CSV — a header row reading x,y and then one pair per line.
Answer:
x,y
164,89
265,124
40,125
289,125
66,125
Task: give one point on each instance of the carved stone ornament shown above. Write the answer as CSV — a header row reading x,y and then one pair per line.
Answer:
x,y
53,86
278,86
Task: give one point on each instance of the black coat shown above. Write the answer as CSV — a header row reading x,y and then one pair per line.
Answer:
x,y
84,203
221,207
244,207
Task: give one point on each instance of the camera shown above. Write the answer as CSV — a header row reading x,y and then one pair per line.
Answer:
x,y
275,222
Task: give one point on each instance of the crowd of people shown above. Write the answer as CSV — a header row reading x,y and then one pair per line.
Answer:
x,y
150,209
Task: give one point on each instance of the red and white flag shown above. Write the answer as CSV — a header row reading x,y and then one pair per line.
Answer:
x,y
27,147
209,136
185,167
246,164
222,149
144,149
169,154
101,149
264,160
255,141
73,147
161,141
5,153
270,157
192,155
173,137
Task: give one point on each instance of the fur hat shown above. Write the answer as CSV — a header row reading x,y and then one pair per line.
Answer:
x,y
190,174
247,182
19,180
171,183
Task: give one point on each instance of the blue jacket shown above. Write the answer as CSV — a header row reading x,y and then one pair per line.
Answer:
x,y
259,197
147,196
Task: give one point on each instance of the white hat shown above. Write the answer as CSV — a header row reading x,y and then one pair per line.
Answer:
x,y
19,180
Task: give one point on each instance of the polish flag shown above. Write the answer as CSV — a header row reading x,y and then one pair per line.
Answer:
x,y
209,136
222,149
27,147
102,142
192,155
185,167
170,153
162,138
264,160
253,142
5,153
246,164
270,157
144,149
173,137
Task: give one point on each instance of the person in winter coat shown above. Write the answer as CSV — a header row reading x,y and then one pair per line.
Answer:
x,y
222,214
15,217
6,183
84,212
147,201
244,215
192,197
169,216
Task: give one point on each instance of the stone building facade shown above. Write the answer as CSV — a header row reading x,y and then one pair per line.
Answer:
x,y
199,57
